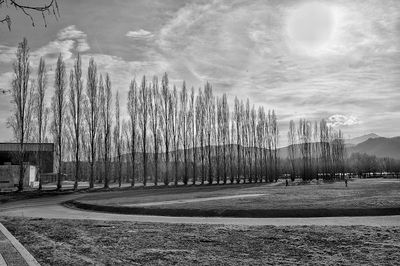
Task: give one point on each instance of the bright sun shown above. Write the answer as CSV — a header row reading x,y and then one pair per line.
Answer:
x,y
311,26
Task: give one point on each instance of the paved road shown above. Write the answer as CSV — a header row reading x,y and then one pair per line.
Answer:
x,y
51,208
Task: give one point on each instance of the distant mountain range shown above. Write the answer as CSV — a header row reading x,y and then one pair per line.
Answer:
x,y
360,139
371,144
379,146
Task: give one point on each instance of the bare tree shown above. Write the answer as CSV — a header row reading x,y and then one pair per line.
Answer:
x,y
41,113
225,132
154,107
243,141
252,144
292,148
59,105
200,130
209,105
75,110
337,154
99,161
143,101
237,116
325,157
133,120
275,140
84,140
218,138
126,135
260,141
315,150
270,145
166,110
304,136
325,147
175,130
92,114
118,139
184,128
106,117
27,8
192,134
22,99
246,140
68,142
232,141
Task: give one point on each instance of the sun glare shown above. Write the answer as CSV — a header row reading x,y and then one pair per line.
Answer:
x,y
310,27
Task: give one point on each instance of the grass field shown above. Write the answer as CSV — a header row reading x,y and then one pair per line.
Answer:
x,y
82,242
360,194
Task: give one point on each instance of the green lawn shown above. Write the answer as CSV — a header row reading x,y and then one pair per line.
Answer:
x,y
82,242
360,193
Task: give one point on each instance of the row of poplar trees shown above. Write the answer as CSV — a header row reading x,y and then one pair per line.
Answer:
x,y
168,135
315,151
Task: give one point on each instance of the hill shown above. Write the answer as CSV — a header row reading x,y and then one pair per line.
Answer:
x,y
360,139
380,147
372,145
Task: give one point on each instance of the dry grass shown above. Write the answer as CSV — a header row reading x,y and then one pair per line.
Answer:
x,y
372,193
81,242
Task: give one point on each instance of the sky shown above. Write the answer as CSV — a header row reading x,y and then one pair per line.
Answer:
x,y
336,59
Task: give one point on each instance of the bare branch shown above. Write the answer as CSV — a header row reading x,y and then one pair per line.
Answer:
x,y
27,9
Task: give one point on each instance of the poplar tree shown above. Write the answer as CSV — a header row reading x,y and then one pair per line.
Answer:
x,y
41,113
155,124
166,111
22,100
106,117
133,111
143,103
75,110
92,115
59,105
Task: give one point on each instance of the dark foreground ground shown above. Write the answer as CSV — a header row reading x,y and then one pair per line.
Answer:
x,y
82,242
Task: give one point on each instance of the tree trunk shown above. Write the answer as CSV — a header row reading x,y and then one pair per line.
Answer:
x,y
91,181
210,178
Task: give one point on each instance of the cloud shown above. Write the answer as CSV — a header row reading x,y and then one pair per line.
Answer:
x,y
242,48
140,34
68,40
7,53
71,32
5,81
339,120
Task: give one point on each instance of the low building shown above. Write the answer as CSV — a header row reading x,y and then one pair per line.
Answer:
x,y
9,176
9,161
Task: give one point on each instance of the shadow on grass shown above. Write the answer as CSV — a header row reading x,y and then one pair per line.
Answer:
x,y
248,213
6,197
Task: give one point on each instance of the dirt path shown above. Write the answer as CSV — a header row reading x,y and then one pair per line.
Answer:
x,y
191,200
50,208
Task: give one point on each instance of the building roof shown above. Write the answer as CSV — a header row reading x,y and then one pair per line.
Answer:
x,y
4,146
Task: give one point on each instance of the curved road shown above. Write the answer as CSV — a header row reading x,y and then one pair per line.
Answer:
x,y
51,208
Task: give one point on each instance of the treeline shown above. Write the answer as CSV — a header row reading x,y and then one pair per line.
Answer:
x,y
318,151
170,135
315,151
364,165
